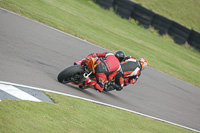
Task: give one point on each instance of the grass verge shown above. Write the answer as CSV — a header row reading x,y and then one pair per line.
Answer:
x,y
74,115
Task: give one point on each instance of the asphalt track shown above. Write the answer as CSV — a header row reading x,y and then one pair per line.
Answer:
x,y
33,54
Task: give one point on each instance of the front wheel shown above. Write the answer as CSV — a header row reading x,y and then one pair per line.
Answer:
x,y
71,74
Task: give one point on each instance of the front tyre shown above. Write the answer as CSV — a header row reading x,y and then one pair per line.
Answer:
x,y
71,74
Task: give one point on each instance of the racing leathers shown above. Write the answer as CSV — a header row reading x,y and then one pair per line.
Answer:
x,y
131,69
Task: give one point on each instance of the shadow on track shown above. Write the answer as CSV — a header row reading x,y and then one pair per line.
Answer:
x,y
115,97
81,90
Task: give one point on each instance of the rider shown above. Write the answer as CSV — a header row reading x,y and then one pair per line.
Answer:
x,y
132,69
108,64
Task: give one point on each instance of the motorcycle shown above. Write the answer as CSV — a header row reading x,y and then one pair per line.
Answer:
x,y
77,74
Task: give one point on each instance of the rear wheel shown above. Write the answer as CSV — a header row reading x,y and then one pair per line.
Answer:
x,y
72,74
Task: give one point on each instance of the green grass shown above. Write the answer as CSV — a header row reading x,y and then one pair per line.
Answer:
x,y
185,12
74,115
85,19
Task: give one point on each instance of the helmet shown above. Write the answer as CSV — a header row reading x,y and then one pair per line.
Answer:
x,y
120,55
143,63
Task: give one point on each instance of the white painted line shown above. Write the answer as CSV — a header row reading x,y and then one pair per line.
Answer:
x,y
18,93
25,86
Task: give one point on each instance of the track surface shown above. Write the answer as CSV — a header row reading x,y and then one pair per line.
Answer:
x,y
33,54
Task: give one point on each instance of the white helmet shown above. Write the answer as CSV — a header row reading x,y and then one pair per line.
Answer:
x,y
143,63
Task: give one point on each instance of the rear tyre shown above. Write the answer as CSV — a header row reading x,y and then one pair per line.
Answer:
x,y
71,74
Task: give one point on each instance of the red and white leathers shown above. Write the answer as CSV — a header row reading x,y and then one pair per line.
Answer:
x,y
131,69
107,66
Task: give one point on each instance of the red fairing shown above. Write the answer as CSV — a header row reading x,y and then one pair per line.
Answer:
x,y
101,54
91,55
84,59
